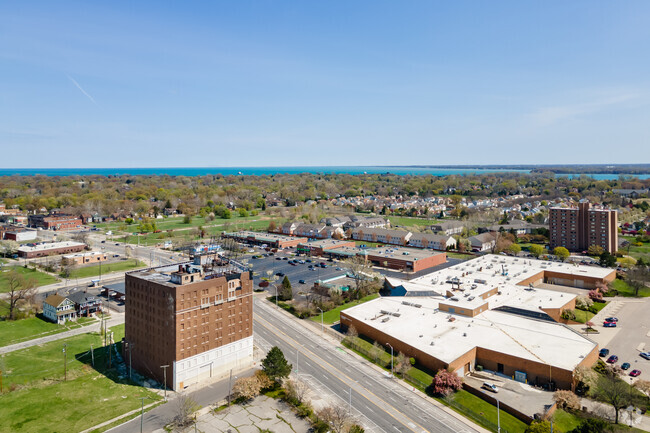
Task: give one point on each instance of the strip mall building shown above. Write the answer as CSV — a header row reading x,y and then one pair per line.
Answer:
x,y
488,312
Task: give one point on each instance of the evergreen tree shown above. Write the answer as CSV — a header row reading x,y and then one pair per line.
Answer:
x,y
275,365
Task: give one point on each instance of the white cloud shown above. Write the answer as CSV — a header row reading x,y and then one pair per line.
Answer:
x,y
549,115
81,88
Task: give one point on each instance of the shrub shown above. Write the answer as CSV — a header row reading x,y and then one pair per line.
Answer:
x,y
445,383
595,295
568,314
566,400
584,303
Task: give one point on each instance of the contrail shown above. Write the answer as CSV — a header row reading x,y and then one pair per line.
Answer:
x,y
81,88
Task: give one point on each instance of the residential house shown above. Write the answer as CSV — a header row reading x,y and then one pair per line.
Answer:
x,y
448,227
289,228
85,303
431,241
482,242
58,309
309,230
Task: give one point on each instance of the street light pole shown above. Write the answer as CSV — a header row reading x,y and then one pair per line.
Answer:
x,y
65,362
164,367
498,418
391,358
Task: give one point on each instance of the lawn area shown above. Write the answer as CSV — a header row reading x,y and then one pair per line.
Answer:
x,y
92,271
176,223
42,365
637,252
71,406
40,278
584,316
410,221
30,328
624,289
482,410
334,315
564,421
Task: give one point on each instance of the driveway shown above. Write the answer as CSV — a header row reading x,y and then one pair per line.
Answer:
x,y
523,397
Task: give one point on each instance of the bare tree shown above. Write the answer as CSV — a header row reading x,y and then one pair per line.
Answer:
x,y
337,417
81,237
360,270
402,364
19,289
638,277
247,387
296,389
185,408
612,390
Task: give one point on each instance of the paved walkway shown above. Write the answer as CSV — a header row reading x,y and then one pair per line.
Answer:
x,y
606,411
116,319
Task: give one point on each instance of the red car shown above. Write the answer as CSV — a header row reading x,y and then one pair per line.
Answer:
x,y
612,359
635,373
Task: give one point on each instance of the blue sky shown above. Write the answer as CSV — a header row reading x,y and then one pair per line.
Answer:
x,y
257,83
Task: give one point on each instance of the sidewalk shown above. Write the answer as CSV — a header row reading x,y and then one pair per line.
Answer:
x,y
116,319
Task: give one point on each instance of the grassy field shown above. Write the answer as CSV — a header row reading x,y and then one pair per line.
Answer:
x,y
92,271
40,400
44,364
176,223
334,315
30,328
624,289
486,411
637,252
460,256
410,221
40,278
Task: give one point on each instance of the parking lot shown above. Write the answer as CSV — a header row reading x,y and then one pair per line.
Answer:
x,y
294,272
631,335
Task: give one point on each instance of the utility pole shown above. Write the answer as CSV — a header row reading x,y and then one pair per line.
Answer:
x,y
322,329
92,355
130,368
65,362
164,367
110,355
391,358
229,387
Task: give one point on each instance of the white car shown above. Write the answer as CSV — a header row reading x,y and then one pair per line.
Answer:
x,y
645,355
490,387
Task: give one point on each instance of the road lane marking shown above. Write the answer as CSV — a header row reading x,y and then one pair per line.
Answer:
x,y
334,375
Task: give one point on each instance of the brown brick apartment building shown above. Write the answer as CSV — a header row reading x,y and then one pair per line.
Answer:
x,y
578,228
196,318
55,222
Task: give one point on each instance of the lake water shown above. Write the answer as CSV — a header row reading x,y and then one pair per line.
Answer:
x,y
202,171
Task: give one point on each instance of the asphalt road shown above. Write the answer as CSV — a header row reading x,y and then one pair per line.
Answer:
x,y
376,399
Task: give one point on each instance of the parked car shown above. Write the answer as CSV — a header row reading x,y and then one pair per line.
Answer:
x,y
301,281
625,365
609,324
278,258
103,242
490,387
263,284
611,319
285,258
308,260
635,373
603,352
339,269
645,355
612,359
280,274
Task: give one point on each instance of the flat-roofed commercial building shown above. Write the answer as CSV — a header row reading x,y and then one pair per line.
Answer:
x,y
84,258
578,228
196,317
405,259
270,239
317,248
50,249
487,312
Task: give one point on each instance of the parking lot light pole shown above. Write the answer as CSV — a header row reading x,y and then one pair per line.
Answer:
x,y
391,358
498,418
322,330
164,367
276,295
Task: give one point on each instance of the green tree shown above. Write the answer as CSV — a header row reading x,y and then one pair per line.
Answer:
x,y
591,425
243,212
286,293
561,253
514,249
536,250
275,365
607,260
539,427
637,277
612,390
